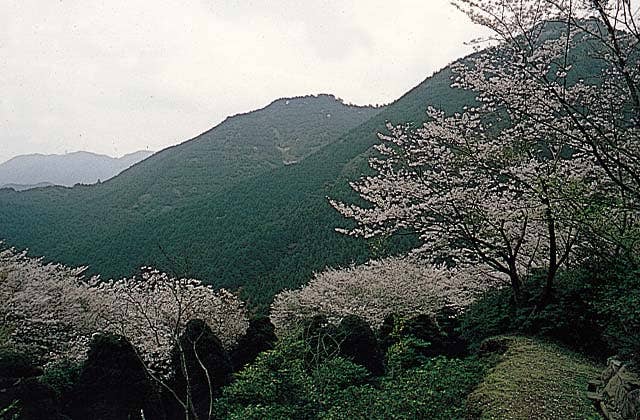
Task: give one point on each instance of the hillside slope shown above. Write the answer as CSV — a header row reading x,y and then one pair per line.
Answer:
x,y
229,207
119,225
189,210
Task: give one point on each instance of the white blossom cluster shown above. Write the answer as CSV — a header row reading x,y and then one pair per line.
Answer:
x,y
534,76
153,310
403,286
53,311
45,307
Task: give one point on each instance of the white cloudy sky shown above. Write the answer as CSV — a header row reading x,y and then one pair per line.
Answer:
x,y
116,76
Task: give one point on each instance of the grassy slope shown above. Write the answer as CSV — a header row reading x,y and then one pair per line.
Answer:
x,y
536,380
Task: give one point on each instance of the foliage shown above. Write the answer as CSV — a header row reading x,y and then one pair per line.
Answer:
x,y
490,315
359,344
53,312
535,380
435,390
276,382
259,337
405,353
202,367
439,330
113,383
62,377
16,364
543,161
36,401
154,310
408,342
593,310
45,307
597,116
372,291
280,384
617,305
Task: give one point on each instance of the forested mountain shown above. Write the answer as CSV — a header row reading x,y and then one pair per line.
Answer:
x,y
201,188
36,170
230,206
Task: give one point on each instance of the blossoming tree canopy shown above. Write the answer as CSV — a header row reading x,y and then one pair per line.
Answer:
x,y
402,286
53,309
45,307
516,181
153,311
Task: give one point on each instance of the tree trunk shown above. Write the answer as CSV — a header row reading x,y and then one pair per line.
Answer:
x,y
516,283
552,269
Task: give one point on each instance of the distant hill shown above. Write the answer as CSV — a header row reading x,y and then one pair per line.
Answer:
x,y
281,134
24,187
37,170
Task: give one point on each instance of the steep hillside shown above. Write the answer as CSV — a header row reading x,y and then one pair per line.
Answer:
x,y
118,225
230,206
195,210
32,171
245,145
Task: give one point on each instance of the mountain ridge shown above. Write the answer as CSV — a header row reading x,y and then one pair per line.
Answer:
x,y
80,167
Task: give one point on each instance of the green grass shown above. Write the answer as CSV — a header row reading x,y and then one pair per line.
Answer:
x,y
535,380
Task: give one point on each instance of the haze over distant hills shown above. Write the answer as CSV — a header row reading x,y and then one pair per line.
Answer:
x,y
37,170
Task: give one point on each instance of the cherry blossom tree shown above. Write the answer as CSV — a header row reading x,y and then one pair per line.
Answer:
x,y
45,307
403,286
153,312
474,197
53,311
583,85
520,178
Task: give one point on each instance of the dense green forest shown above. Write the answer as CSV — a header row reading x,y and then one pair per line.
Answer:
x,y
250,220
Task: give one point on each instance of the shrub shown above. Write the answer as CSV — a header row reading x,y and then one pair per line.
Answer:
x,y
16,364
37,401
260,336
277,382
62,377
617,304
321,338
202,367
359,344
440,331
592,311
113,383
436,390
408,352
282,384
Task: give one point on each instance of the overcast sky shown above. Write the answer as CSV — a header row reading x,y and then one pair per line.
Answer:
x,y
117,76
